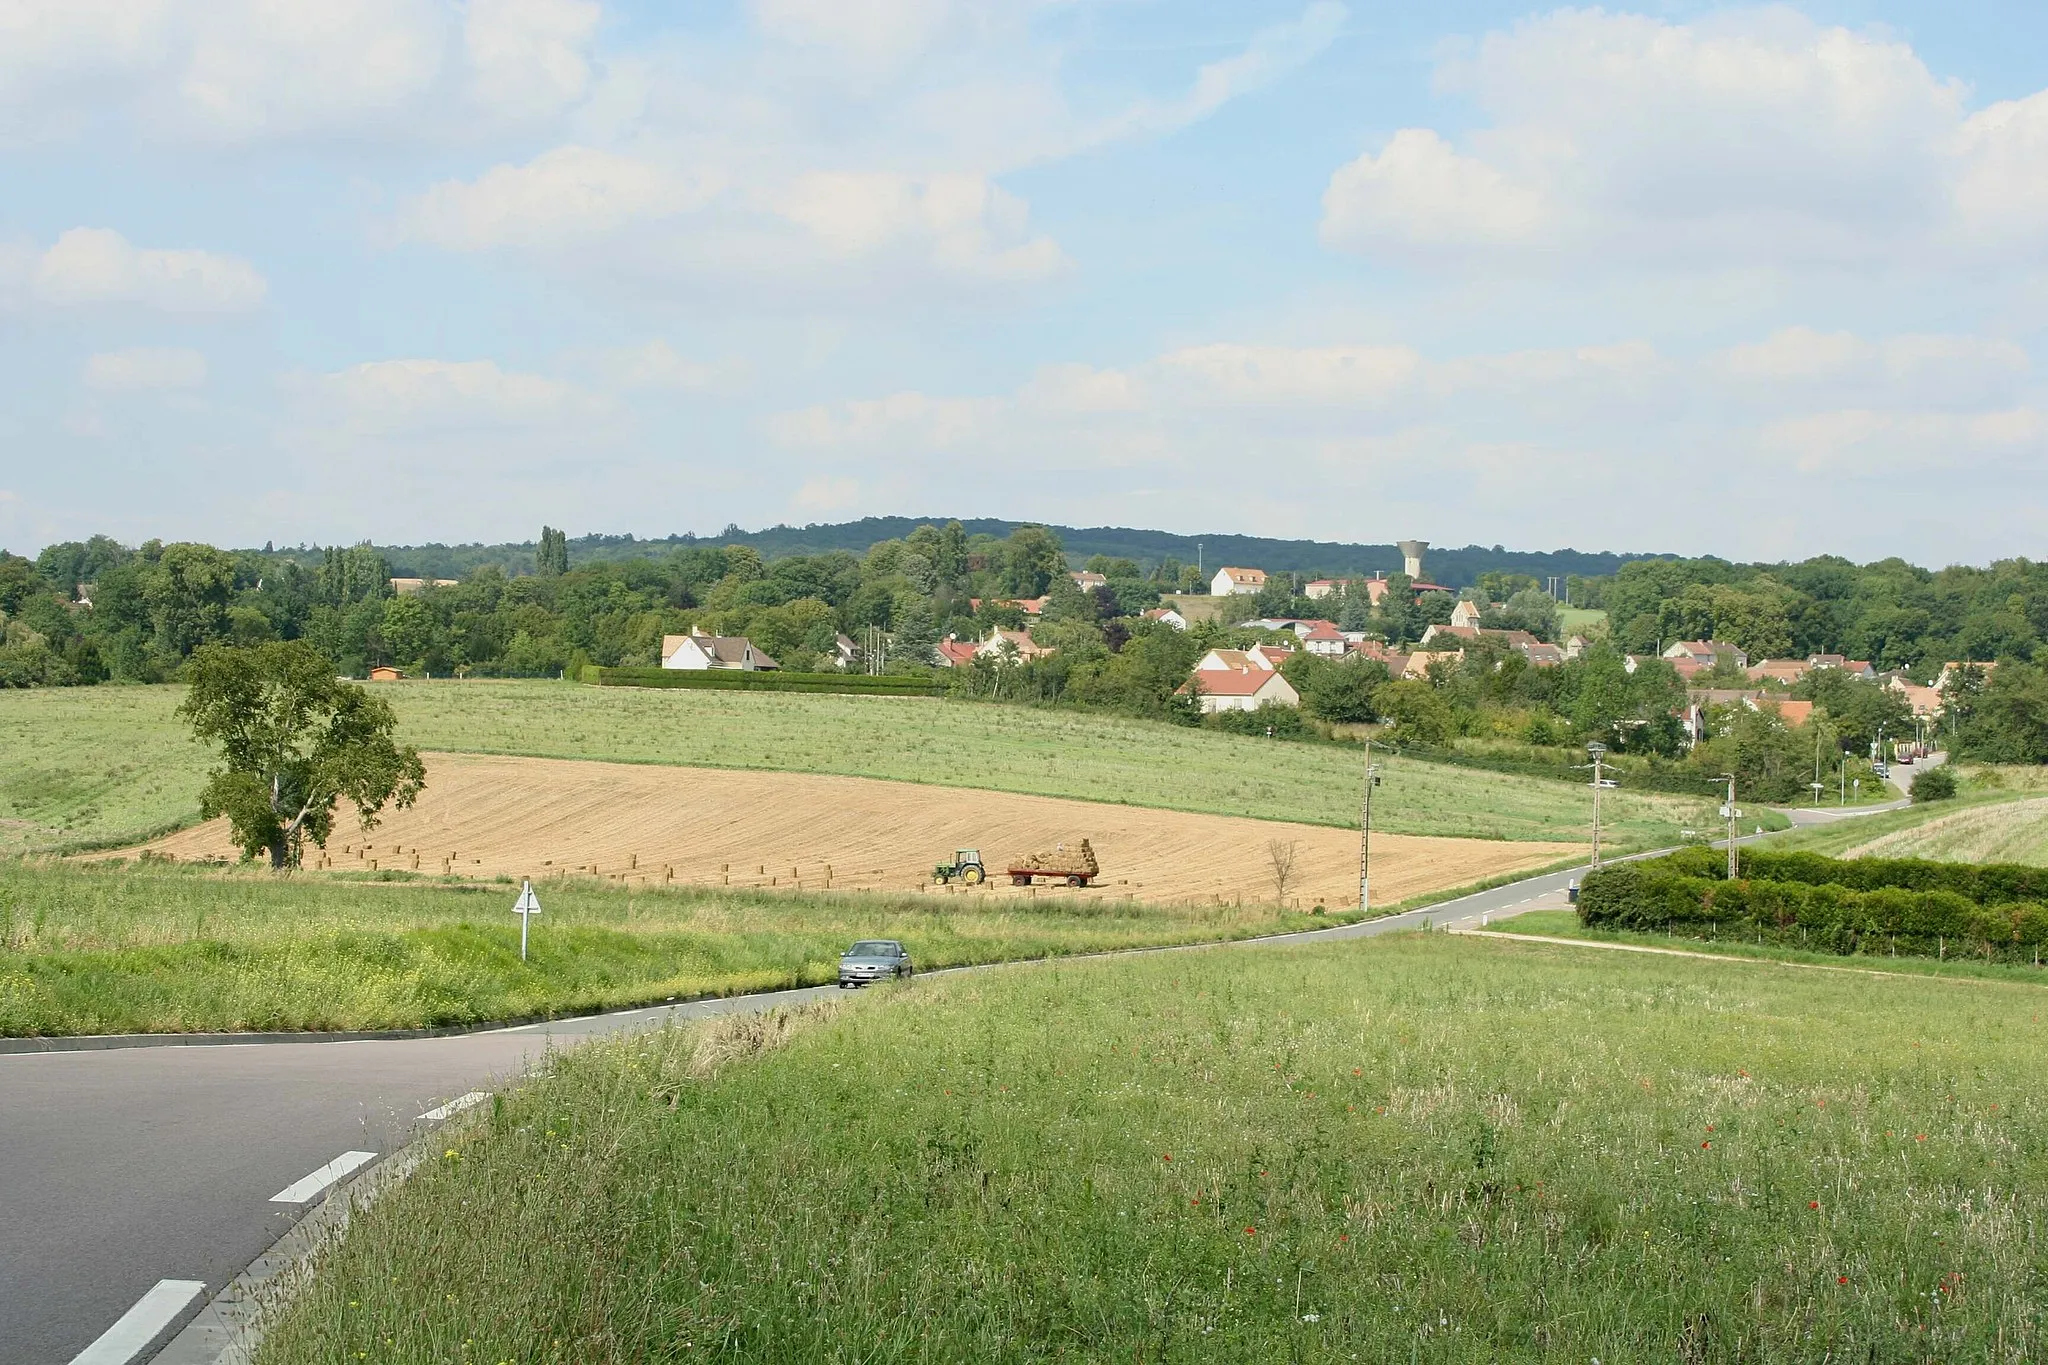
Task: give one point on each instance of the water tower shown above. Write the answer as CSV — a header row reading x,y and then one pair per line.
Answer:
x,y
1411,557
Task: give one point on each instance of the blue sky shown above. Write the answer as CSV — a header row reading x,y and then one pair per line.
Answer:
x,y
1758,282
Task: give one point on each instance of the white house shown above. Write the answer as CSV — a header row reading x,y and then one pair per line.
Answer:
x,y
1706,653
1325,640
843,652
1240,582
1088,582
1466,613
1320,588
1010,644
1229,661
713,651
1168,615
1230,690
699,651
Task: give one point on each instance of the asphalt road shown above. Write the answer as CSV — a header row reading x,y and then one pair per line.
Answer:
x,y
121,1169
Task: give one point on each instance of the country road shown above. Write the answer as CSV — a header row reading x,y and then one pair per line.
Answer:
x,y
140,1179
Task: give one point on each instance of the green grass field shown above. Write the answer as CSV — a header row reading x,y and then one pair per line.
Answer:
x,y
102,764
1565,924
105,948
1579,620
1408,1149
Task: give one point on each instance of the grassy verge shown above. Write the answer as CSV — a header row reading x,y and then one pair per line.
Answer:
x,y
148,948
1410,1149
1565,924
101,762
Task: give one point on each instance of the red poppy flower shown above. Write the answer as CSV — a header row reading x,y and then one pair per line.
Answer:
x,y
1343,1236
1354,1071
1251,1232
1705,1145
1166,1156
1841,1279
1813,1203
1919,1137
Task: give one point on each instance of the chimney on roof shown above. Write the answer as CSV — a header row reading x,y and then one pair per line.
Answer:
x,y
1411,557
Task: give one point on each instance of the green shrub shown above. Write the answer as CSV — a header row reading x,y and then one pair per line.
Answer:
x,y
1914,915
1936,784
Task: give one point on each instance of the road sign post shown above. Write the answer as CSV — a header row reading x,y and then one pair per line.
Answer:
x,y
526,907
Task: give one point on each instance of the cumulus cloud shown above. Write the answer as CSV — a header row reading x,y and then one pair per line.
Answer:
x,y
529,58
416,395
1539,433
145,368
258,70
1754,138
565,197
99,268
691,223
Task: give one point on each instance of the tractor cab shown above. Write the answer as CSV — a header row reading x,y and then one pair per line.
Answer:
x,y
966,867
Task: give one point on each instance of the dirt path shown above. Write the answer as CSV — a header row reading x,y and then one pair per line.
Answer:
x,y
541,818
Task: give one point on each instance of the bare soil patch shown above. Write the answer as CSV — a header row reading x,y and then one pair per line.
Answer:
x,y
484,816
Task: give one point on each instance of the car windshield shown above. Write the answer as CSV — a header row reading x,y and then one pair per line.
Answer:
x,y
872,948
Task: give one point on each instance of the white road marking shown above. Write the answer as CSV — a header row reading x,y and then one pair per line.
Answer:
x,y
455,1106
299,1191
138,1326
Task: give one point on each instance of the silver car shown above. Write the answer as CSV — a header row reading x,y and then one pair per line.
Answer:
x,y
873,959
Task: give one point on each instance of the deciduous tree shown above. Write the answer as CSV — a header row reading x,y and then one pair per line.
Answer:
x,y
294,742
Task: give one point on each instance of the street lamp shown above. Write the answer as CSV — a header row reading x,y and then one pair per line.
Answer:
x,y
1598,753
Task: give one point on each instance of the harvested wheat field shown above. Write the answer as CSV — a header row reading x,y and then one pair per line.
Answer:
x,y
484,816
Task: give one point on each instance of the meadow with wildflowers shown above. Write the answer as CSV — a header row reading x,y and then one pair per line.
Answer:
x,y
1414,1148
146,947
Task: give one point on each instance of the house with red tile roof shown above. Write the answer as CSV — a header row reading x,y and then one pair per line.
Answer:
x,y
1232,690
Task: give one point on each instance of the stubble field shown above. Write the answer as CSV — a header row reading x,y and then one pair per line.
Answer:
x,y
646,825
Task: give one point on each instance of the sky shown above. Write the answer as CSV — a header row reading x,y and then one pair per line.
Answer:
x,y
1758,282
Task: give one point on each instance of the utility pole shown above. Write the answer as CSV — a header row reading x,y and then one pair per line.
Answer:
x,y
1372,779
1733,869
1599,753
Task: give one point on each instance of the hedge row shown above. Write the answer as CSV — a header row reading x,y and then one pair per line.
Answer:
x,y
738,680
1986,883
1653,897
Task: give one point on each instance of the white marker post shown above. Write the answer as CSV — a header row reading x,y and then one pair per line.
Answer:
x,y
527,906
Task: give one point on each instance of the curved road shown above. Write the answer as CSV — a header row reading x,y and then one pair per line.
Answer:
x,y
130,1169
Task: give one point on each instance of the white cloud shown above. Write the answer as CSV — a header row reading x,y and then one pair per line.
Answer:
x,y
260,69
1873,443
146,368
1550,436
529,58
1801,364
878,36
414,395
578,204
960,225
565,197
266,70
657,365
1752,138
1355,375
98,267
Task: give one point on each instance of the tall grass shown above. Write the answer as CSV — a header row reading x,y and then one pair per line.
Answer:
x,y
1410,1149
149,948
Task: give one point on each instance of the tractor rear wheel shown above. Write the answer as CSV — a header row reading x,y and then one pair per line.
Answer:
x,y
1077,880
971,875
1016,880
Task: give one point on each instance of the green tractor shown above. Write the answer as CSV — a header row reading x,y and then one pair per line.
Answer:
x,y
966,867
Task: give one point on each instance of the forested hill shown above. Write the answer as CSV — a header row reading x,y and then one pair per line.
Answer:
x,y
1454,568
